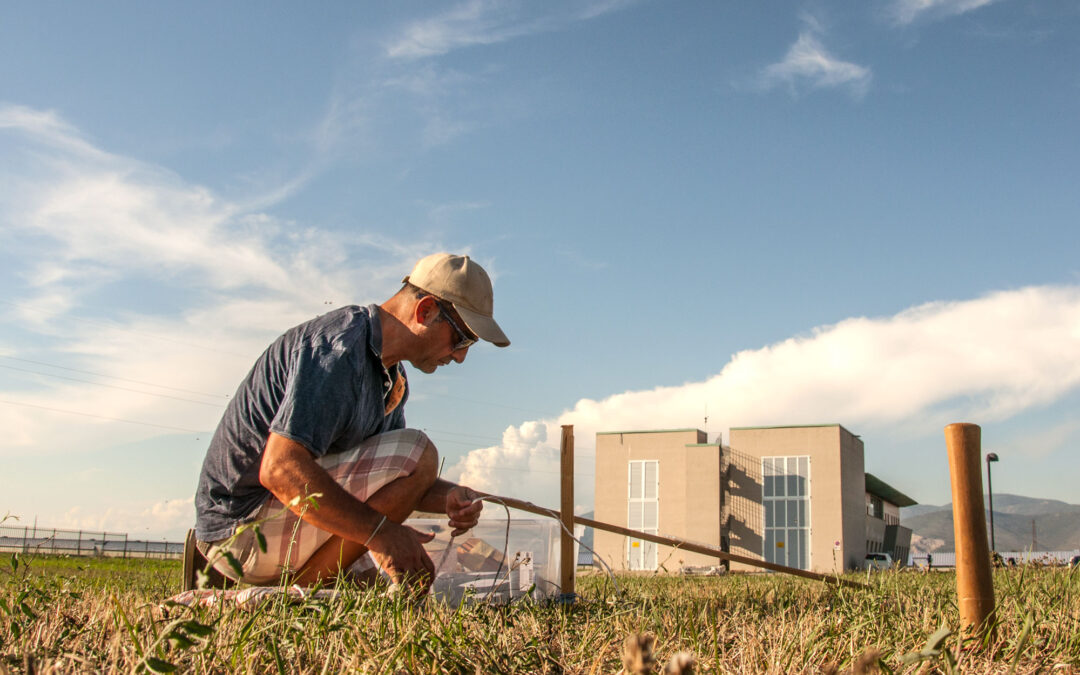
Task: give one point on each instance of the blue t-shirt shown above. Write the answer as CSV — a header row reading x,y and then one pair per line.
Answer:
x,y
321,384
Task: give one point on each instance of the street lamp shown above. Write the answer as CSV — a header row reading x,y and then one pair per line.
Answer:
x,y
991,457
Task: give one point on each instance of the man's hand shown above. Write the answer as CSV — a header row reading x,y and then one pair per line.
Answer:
x,y
463,506
398,551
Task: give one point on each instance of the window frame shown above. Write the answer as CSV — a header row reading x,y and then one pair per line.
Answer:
x,y
640,553
777,505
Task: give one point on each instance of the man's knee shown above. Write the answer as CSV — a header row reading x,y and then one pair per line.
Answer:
x,y
427,465
427,460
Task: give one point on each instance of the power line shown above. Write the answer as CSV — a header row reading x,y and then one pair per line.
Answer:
x,y
497,467
463,435
103,417
112,377
492,467
112,386
486,438
579,451
444,441
488,403
503,467
114,326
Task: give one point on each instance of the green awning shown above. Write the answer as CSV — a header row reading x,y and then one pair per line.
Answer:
x,y
880,488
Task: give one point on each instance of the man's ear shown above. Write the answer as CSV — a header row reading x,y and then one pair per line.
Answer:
x,y
426,310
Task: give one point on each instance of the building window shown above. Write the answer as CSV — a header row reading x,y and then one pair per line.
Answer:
x,y
875,508
643,511
785,499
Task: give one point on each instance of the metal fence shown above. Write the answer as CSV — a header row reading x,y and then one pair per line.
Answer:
x,y
948,558
53,541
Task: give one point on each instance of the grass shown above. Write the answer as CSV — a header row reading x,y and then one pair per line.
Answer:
x,y
81,614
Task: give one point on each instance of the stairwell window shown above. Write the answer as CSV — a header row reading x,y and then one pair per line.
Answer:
x,y
785,498
643,477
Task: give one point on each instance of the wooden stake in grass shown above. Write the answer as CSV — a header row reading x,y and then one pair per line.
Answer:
x,y
566,508
974,584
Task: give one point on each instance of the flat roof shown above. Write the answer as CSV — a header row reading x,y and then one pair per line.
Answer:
x,y
798,426
789,426
645,431
880,488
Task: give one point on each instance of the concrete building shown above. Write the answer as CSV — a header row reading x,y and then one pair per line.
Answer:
x,y
797,496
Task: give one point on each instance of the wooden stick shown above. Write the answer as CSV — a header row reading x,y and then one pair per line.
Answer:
x,y
677,543
974,581
567,563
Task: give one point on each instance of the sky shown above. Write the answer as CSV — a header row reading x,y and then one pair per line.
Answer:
x,y
695,214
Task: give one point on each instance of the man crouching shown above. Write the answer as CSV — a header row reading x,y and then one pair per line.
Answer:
x,y
322,413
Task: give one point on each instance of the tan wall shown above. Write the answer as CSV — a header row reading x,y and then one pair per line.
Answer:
x,y
854,499
875,532
837,492
898,542
891,513
688,495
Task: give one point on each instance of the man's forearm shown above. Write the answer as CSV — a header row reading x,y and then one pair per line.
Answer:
x,y
293,472
434,500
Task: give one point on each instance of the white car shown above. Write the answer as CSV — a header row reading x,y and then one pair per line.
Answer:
x,y
878,561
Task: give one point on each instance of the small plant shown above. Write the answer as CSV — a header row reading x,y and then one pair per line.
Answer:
x,y
933,650
221,550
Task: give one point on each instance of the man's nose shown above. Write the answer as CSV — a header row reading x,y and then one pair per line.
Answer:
x,y
459,355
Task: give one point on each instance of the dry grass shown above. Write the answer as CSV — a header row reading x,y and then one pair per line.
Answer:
x,y
63,615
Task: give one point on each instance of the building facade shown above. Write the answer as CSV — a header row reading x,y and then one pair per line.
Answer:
x,y
796,495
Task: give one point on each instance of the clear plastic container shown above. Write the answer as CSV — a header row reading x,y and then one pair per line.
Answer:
x,y
483,566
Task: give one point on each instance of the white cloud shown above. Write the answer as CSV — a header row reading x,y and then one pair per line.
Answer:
x,y
1044,442
446,212
513,467
980,360
86,221
907,11
485,22
807,61
402,96
166,519
48,128
470,23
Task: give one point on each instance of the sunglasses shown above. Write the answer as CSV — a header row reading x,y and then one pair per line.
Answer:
x,y
464,339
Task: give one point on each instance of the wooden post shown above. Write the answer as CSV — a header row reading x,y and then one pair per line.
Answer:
x,y
566,509
974,581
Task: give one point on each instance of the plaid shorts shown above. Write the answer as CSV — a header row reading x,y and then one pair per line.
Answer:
x,y
290,540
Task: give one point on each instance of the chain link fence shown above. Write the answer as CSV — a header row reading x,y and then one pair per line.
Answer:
x,y
53,541
947,559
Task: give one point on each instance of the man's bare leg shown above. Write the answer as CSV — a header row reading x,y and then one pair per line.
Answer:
x,y
395,500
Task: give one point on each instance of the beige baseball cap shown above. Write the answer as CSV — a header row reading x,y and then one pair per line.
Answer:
x,y
465,284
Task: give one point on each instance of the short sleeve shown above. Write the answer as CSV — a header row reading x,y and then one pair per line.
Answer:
x,y
320,398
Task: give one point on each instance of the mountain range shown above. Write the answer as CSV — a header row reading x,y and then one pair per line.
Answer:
x,y
1020,523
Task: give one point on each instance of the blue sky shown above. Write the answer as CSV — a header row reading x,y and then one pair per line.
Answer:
x,y
762,213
